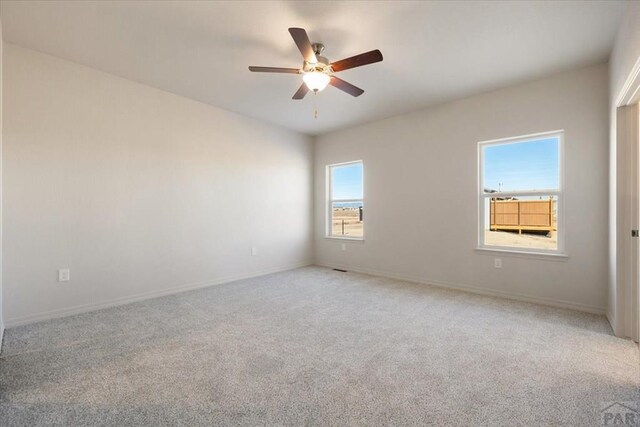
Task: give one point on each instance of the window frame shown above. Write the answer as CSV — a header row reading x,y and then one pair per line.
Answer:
x,y
559,194
329,201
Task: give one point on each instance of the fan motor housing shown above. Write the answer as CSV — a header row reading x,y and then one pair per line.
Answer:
x,y
322,64
322,60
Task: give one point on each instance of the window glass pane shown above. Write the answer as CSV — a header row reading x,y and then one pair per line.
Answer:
x,y
346,182
521,166
528,222
346,219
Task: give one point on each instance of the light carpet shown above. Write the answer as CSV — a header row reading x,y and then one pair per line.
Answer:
x,y
317,347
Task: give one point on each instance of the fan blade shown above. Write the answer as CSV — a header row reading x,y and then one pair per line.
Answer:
x,y
357,61
302,91
302,41
345,86
274,70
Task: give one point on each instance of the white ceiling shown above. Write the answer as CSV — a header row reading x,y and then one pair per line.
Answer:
x,y
433,51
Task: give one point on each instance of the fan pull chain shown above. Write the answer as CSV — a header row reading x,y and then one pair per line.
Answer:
x,y
315,105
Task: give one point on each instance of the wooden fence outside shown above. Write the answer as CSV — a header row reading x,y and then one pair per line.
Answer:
x,y
523,215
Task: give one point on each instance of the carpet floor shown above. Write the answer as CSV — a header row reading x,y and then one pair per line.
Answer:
x,y
317,347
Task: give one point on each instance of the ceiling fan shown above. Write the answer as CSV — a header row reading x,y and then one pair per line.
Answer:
x,y
317,72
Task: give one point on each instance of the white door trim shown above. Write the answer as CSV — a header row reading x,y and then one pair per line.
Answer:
x,y
630,92
627,287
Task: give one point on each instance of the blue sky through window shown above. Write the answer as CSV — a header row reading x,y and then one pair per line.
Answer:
x,y
530,165
346,181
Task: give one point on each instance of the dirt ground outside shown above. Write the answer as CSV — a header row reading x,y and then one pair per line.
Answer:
x,y
346,222
524,240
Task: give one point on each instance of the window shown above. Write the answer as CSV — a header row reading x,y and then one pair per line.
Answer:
x,y
345,200
520,191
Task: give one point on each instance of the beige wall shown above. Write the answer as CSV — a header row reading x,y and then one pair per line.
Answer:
x,y
421,191
1,292
625,54
138,191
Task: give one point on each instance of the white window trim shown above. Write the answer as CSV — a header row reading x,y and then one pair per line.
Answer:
x,y
559,193
329,201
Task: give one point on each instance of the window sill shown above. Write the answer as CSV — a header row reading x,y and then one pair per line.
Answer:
x,y
351,239
549,256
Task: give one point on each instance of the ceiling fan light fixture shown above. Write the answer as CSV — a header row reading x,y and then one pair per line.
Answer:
x,y
317,71
316,80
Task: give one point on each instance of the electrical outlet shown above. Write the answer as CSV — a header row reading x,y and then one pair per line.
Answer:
x,y
254,251
344,246
64,275
497,262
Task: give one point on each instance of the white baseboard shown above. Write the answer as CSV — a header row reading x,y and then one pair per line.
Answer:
x,y
68,311
475,289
